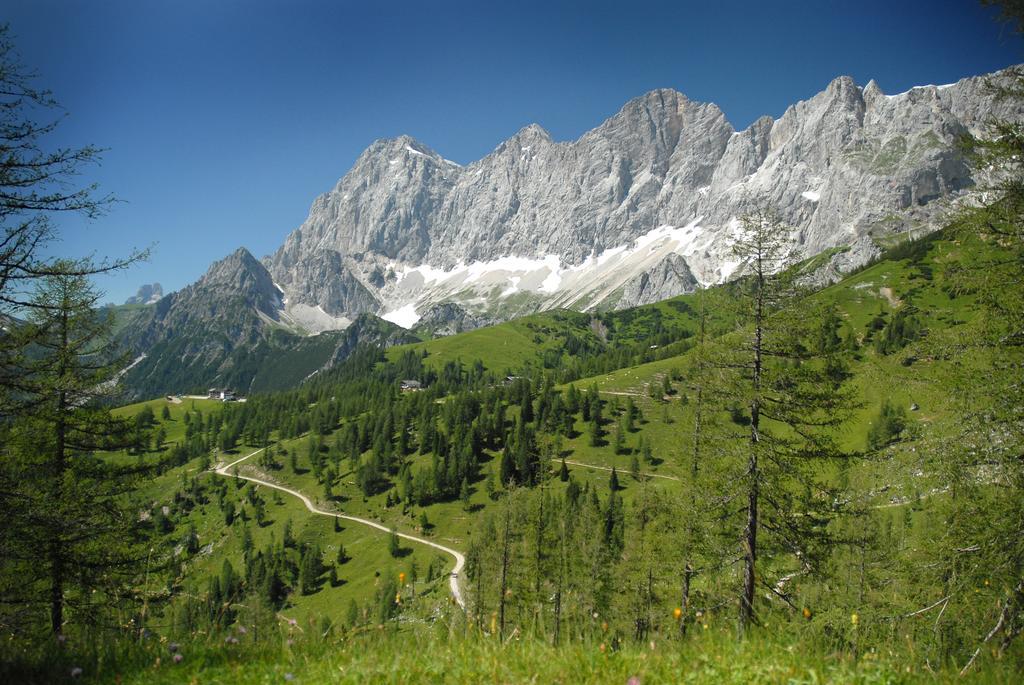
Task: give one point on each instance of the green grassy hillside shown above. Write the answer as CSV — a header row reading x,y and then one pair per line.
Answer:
x,y
434,463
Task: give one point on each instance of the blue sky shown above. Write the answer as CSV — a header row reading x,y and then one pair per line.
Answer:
x,y
223,119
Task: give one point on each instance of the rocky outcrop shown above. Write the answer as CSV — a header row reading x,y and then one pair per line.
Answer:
x,y
449,318
368,330
839,263
670,277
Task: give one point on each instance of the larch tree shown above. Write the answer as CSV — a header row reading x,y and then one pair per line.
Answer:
x,y
38,181
983,544
66,514
785,409
695,507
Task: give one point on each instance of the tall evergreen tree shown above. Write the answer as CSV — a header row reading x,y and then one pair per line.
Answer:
x,y
68,519
984,512
788,408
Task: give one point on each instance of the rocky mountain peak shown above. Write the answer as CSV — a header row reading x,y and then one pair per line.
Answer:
x,y
655,189
526,143
533,132
640,208
146,294
385,153
843,86
242,276
657,104
872,92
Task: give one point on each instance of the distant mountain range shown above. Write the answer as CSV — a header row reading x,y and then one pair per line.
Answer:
x,y
147,294
641,208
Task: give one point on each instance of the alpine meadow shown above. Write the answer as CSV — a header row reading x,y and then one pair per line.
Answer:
x,y
664,401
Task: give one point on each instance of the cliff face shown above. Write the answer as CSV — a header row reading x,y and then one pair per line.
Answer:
x,y
537,223
643,207
189,337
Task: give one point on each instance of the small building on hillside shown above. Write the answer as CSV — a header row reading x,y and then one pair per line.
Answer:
x,y
411,386
222,394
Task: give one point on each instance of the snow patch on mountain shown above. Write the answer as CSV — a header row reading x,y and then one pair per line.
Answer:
x,y
605,220
942,87
406,316
545,279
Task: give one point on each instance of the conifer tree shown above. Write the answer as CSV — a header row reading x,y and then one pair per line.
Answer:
x,y
618,439
787,407
394,545
983,514
73,534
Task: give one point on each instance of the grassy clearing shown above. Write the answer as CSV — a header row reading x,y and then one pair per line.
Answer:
x,y
504,347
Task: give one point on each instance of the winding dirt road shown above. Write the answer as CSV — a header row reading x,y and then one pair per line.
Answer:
x,y
460,560
646,474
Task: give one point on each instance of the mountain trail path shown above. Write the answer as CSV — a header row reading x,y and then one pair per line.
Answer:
x,y
460,560
570,462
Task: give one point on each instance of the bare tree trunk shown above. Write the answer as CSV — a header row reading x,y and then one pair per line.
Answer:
x,y
504,566
56,589
750,533
750,550
1006,616
698,416
561,580
685,602
59,465
539,542
539,560
558,609
480,608
649,620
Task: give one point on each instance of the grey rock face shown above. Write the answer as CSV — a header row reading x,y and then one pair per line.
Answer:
x,y
367,330
449,318
233,292
859,253
641,208
404,228
146,294
192,334
669,278
327,278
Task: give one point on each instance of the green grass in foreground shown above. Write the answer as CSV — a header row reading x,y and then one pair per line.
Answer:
x,y
442,654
